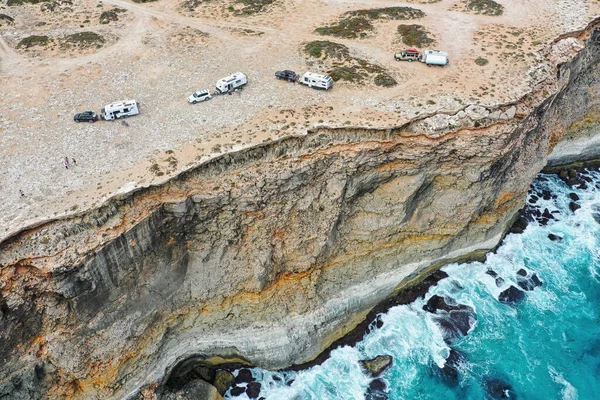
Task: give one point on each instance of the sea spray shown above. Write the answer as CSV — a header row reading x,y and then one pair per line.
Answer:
x,y
545,346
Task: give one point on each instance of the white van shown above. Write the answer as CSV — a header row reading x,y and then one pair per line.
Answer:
x,y
231,82
434,57
120,109
317,81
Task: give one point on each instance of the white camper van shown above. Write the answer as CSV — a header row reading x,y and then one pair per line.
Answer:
x,y
434,57
231,82
120,109
317,81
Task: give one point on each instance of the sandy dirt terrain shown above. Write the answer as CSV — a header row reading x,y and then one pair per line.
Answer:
x,y
158,53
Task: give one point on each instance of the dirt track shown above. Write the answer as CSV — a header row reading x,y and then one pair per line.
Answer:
x,y
158,55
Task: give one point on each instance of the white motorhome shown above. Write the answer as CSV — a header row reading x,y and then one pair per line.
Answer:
x,y
231,82
434,57
120,109
317,81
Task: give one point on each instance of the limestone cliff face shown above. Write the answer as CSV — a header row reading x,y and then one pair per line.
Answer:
x,y
269,254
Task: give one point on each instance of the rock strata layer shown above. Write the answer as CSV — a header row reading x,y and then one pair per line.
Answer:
x,y
268,255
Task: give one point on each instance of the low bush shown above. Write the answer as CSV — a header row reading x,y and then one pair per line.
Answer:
x,y
485,7
415,35
34,40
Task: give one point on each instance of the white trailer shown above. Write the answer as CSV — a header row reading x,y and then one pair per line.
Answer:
x,y
434,57
120,109
231,82
317,81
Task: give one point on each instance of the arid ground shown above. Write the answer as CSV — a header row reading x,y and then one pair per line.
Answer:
x,y
58,58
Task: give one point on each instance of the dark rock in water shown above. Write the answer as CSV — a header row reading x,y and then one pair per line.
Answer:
x,y
253,390
450,371
555,238
276,378
377,323
244,375
454,319
436,303
519,225
289,383
574,206
533,199
376,365
529,283
376,390
522,272
456,323
547,214
223,381
491,273
511,295
378,384
499,281
236,391
496,389
546,195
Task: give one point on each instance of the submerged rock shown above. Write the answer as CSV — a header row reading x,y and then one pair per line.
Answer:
x,y
574,206
455,319
376,390
529,283
244,375
496,389
573,196
449,373
196,389
377,365
236,391
253,390
555,238
511,295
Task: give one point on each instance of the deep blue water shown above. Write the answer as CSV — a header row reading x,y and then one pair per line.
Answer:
x,y
546,346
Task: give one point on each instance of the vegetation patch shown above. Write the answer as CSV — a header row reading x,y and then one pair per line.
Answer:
x,y
385,80
144,1
34,40
251,7
391,13
485,7
343,67
21,2
111,15
349,28
325,48
415,35
83,40
481,61
357,23
6,19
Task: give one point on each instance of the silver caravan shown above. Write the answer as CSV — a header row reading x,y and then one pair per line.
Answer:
x,y
231,82
317,81
434,57
120,109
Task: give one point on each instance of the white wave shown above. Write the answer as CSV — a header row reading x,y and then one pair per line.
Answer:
x,y
568,391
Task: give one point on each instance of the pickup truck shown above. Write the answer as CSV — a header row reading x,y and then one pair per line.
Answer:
x,y
286,75
408,55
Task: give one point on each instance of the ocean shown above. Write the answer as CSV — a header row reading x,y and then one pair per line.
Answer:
x,y
545,345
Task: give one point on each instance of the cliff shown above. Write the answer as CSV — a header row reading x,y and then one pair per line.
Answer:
x,y
269,254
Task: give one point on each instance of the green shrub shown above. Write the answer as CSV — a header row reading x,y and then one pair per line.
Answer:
x,y
481,61
393,13
349,28
32,41
9,20
325,48
253,6
385,80
414,35
83,39
485,7
20,2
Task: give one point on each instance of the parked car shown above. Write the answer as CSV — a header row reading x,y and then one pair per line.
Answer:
x,y
200,95
287,75
408,55
86,116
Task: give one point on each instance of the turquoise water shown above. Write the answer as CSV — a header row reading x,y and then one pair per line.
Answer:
x,y
546,346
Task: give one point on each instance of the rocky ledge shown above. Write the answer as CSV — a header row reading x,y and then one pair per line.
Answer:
x,y
268,255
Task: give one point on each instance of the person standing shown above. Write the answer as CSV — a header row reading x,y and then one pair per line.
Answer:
x,y
21,193
74,162
66,162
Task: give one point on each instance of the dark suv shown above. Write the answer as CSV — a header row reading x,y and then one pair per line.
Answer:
x,y
86,116
287,75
